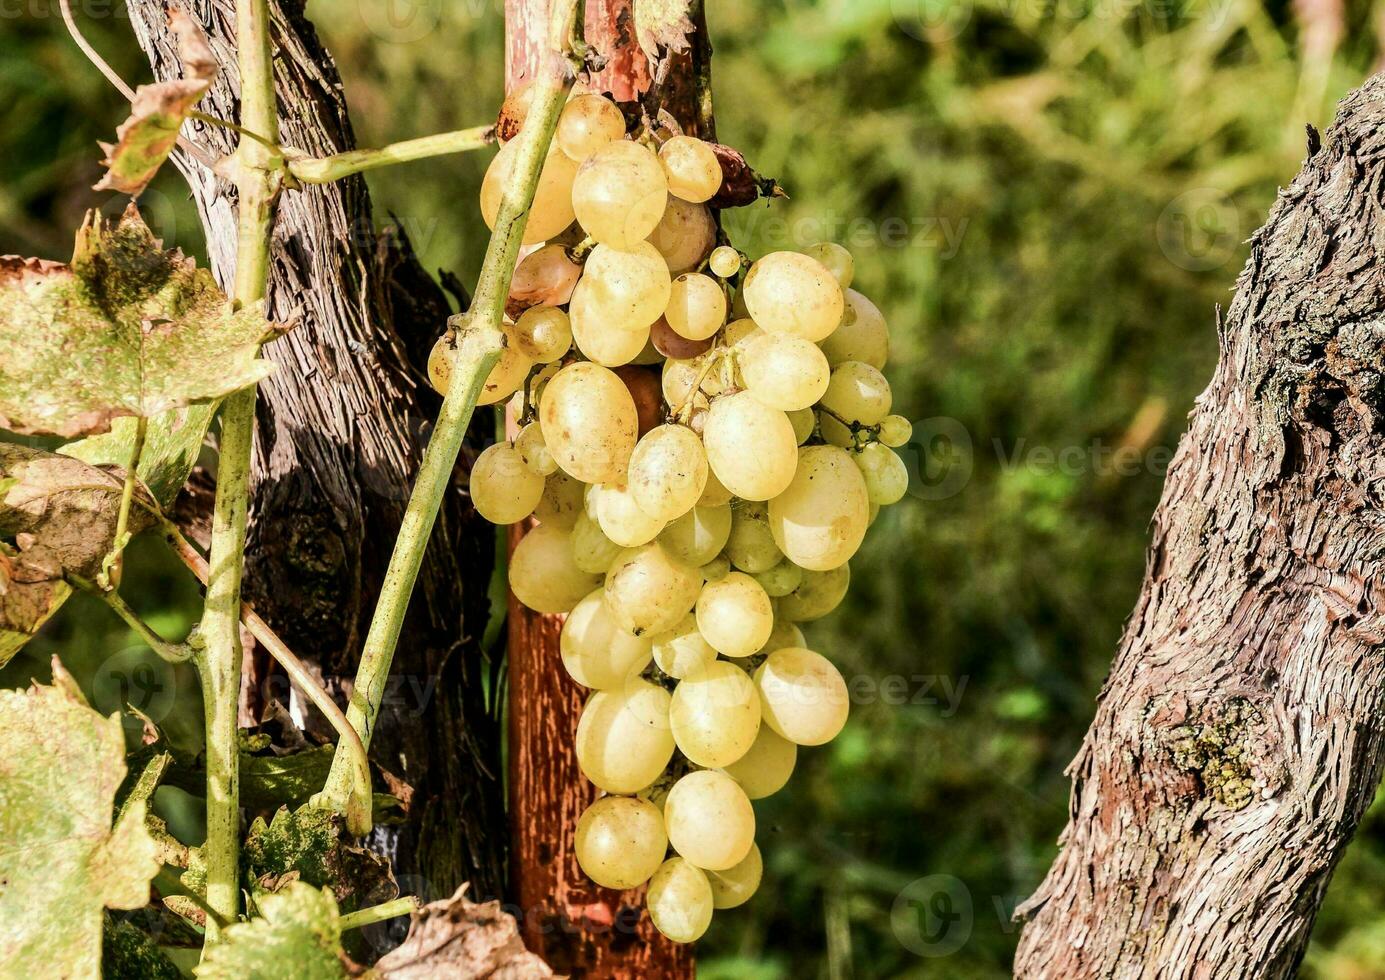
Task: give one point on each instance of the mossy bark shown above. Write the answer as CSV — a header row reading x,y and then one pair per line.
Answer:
x,y
1241,733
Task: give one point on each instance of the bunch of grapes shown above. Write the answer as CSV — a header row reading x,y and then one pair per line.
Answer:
x,y
702,443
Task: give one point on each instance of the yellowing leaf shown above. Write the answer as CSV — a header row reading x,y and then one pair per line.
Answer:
x,y
296,934
662,24
61,861
147,137
126,329
171,447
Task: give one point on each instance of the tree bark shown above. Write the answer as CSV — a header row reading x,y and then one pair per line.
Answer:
x,y
1241,733
578,927
339,434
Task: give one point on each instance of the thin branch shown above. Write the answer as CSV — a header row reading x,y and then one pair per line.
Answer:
x,y
378,913
480,344
174,653
92,55
110,565
324,170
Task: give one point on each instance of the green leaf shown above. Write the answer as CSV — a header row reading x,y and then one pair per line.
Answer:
x,y
295,935
171,447
147,137
126,329
129,954
662,24
62,862
312,842
57,516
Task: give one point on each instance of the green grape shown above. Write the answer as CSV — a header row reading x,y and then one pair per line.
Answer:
x,y
716,569
620,841
533,451
750,545
592,551
696,306
802,696
836,259
561,503
709,820
715,714
803,421
589,422
544,277
886,476
784,634
895,431
858,393
552,210
787,292
725,261
620,516
596,652
619,194
817,595
699,535
503,489
750,446
714,494
623,737
735,615
861,336
543,334
735,885
668,471
682,650
785,372
680,901
819,520
542,573
766,766
693,170
684,235
648,591
780,580
588,123
627,289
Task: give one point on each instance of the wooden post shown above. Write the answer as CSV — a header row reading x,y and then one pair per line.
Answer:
x,y
579,928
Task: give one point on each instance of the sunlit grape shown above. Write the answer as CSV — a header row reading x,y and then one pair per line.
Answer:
x,y
895,431
680,900
682,650
836,259
785,372
861,336
709,820
621,517
766,766
668,471
699,535
817,594
802,696
552,210
725,261
543,334
619,193
715,714
696,306
787,292
588,123
693,170
735,615
887,478
544,277
819,520
750,446
543,575
596,652
620,843
533,451
623,738
648,591
589,422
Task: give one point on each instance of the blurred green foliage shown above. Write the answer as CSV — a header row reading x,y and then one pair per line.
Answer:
x,y
1048,200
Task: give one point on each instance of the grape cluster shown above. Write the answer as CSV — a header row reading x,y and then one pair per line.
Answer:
x,y
703,442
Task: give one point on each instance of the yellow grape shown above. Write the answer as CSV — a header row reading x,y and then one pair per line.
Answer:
x,y
887,478
552,210
835,259
709,820
592,551
861,336
725,261
533,451
699,535
803,421
596,652
714,494
668,471
649,592
716,569
735,615
750,545
561,502
543,334
736,885
680,901
693,170
895,431
543,575
589,422
544,277
819,520
620,516
766,766
785,372
696,306
629,289
856,393
750,446
818,593
619,193
802,696
684,235
620,841
785,634
682,650
715,714
598,341
587,124
787,292
502,382
503,489
623,737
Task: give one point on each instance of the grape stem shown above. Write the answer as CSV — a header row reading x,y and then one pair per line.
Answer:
x,y
174,653
684,412
480,342
324,170
378,913
872,432
110,565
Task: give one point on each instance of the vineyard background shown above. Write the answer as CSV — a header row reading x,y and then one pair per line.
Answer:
x,y
1047,200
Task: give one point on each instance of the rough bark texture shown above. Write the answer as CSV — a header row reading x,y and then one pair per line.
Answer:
x,y
1241,733
579,928
340,430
